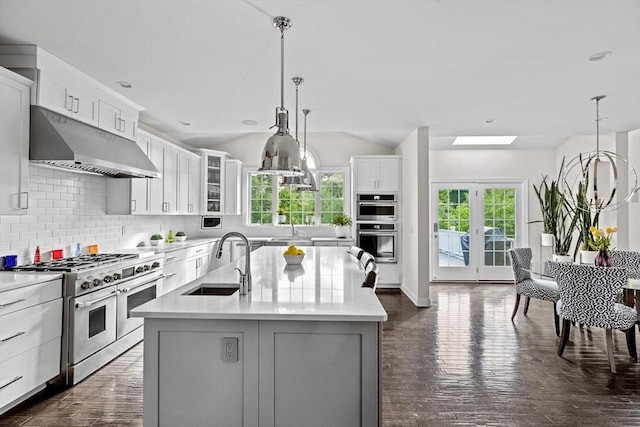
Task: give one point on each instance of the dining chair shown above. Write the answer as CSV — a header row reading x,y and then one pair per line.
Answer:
x,y
371,276
356,252
588,297
627,259
365,259
546,290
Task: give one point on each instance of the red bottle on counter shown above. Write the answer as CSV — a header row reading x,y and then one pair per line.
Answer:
x,y
36,257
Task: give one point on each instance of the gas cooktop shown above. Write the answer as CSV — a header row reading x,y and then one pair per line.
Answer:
x,y
78,263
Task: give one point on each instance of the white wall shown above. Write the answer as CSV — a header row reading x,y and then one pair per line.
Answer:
x,y
330,149
499,164
415,216
633,226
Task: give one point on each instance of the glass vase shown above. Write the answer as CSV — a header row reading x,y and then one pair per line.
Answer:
x,y
603,259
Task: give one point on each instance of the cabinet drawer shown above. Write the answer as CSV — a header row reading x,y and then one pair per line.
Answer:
x,y
26,371
17,299
174,256
26,329
197,250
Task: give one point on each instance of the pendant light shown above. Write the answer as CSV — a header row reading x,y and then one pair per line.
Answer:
x,y
281,154
593,176
308,177
297,182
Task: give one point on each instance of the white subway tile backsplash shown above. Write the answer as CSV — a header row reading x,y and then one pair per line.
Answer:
x,y
66,208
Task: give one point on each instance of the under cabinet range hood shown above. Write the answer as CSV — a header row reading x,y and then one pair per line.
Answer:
x,y
67,143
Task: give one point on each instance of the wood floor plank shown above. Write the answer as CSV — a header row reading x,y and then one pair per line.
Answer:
x,y
461,362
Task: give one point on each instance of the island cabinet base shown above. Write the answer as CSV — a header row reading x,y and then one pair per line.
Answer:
x,y
287,373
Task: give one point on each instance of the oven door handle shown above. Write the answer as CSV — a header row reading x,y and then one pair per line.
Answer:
x,y
125,290
376,233
377,203
80,304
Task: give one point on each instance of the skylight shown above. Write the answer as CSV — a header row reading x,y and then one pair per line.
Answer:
x,y
484,140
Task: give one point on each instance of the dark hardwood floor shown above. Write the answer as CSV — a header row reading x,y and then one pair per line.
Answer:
x,y
459,362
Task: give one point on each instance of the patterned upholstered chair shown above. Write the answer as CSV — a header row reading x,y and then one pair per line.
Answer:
x,y
588,297
546,290
365,259
627,259
356,252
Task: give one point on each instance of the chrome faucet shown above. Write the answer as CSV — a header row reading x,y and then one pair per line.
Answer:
x,y
293,228
245,278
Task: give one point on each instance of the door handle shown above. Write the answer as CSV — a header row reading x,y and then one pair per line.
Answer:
x,y
16,335
76,101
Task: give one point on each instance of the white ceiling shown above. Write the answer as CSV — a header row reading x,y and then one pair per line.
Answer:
x,y
375,69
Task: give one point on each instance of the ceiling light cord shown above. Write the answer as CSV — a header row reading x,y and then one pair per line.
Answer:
x,y
305,112
282,67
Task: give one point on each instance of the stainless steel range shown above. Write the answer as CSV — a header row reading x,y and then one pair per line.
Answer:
x,y
100,290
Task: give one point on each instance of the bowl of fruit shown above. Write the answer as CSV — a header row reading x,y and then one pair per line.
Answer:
x,y
293,255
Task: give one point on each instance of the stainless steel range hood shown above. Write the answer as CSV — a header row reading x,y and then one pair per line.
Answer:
x,y
67,143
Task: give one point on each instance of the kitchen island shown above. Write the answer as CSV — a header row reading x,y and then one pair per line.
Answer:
x,y
302,348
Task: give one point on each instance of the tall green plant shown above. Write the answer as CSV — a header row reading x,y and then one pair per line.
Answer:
x,y
558,217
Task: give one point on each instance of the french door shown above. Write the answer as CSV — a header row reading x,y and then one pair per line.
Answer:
x,y
473,227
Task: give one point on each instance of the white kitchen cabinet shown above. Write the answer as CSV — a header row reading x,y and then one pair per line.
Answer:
x,y
188,183
30,340
196,386
65,89
174,269
130,195
65,97
163,192
232,187
117,119
213,173
376,173
14,143
197,259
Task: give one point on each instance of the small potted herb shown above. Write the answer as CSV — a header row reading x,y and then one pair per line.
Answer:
x,y
156,239
282,218
342,223
181,236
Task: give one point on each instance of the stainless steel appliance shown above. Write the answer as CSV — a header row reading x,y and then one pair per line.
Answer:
x,y
376,207
100,290
379,239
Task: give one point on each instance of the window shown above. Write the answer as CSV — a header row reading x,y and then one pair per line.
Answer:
x,y
267,198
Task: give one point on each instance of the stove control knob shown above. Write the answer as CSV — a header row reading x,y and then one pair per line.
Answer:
x,y
147,267
85,285
156,264
117,276
107,278
139,269
97,282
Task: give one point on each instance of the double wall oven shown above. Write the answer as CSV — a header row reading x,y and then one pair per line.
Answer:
x,y
100,290
377,225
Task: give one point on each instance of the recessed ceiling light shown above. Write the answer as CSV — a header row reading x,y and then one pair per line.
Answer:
x,y
600,55
249,122
484,140
125,85
183,123
489,121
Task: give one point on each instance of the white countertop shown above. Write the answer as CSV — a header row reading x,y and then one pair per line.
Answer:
x,y
326,287
10,280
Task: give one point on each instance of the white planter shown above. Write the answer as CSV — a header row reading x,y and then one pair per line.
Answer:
x,y
155,242
562,258
588,257
343,231
282,219
546,239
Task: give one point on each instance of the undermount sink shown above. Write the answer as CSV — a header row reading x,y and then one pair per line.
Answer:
x,y
298,241
215,289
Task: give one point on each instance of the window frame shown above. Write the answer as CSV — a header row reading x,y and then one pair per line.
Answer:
x,y
247,171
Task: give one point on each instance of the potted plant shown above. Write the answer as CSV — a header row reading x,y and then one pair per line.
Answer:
x,y
342,223
311,217
156,239
181,236
558,218
282,218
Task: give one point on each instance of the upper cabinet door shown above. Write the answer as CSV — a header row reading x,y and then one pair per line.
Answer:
x,y
65,98
156,192
183,182
376,174
114,119
213,174
140,186
14,143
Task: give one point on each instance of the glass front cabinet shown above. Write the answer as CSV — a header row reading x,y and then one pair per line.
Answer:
x,y
213,185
